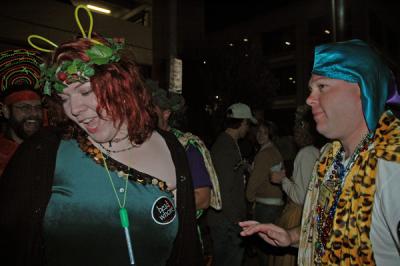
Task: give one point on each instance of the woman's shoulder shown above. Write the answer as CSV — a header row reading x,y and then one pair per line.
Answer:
x,y
170,139
176,149
309,151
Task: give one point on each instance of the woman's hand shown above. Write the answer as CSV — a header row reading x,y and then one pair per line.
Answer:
x,y
271,233
276,177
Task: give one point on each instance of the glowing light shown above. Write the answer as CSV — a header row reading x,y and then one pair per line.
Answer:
x,y
327,31
287,43
245,40
99,9
290,78
231,44
216,97
246,55
204,62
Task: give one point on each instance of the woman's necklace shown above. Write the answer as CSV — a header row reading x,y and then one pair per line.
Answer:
x,y
117,151
123,213
334,183
93,152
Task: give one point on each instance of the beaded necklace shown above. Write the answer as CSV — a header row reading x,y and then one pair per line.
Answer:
x,y
123,170
335,180
117,151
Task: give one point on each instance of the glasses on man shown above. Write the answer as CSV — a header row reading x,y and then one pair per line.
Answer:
x,y
28,107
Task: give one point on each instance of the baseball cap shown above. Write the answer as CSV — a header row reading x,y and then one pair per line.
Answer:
x,y
241,111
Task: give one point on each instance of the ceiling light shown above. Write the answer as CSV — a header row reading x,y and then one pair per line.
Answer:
x,y
99,9
287,43
327,31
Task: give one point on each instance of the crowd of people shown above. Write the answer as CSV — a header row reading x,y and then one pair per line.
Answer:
x,y
122,183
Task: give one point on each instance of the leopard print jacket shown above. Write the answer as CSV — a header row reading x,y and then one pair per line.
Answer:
x,y
349,242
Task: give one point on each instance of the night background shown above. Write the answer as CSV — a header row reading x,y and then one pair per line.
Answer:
x,y
256,52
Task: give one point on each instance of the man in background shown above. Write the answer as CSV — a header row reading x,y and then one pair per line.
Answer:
x,y
20,100
170,110
230,166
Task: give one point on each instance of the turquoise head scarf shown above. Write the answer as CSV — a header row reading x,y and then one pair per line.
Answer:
x,y
355,62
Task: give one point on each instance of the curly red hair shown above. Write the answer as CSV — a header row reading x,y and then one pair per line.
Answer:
x,y
118,86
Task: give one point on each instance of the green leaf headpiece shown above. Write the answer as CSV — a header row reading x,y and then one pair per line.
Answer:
x,y
53,77
77,70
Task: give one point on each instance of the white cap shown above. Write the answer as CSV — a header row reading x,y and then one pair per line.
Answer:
x,y
241,111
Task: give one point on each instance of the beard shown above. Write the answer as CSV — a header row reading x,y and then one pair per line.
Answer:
x,y
26,127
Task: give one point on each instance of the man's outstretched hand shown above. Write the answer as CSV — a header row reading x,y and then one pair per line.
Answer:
x,y
271,233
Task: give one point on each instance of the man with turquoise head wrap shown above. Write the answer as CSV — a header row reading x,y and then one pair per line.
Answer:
x,y
355,62
350,215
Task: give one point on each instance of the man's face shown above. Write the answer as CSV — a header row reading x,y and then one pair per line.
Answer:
x,y
26,117
163,117
301,132
336,107
244,128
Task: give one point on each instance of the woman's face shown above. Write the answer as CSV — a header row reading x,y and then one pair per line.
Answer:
x,y
262,135
80,103
301,133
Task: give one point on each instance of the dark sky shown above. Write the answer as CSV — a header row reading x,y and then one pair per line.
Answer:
x,y
223,13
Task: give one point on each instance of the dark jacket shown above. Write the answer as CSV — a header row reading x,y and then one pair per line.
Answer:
x,y
25,190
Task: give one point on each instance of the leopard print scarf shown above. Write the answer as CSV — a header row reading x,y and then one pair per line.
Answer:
x,y
349,243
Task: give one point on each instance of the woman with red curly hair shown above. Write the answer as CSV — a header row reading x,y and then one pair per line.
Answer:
x,y
118,170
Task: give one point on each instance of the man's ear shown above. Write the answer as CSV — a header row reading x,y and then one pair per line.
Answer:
x,y
4,111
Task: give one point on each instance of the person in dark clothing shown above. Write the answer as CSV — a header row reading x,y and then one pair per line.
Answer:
x,y
20,100
228,248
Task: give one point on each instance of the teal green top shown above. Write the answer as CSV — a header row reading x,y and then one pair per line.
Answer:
x,y
82,223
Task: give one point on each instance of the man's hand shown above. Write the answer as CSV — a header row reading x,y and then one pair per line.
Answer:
x,y
271,233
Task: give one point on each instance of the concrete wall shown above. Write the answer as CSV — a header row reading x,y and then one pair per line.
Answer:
x,y
55,21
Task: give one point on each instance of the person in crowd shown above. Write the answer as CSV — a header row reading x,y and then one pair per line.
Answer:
x,y
266,197
20,100
120,193
350,213
309,142
225,153
170,111
205,181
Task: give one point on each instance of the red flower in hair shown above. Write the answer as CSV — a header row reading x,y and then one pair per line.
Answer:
x,y
62,76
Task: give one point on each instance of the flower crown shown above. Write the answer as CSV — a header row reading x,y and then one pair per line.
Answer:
x,y
77,70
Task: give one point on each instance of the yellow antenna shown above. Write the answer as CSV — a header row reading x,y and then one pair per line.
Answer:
x,y
78,22
34,36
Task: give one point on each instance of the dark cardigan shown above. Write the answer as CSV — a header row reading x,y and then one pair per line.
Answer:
x,y
25,190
